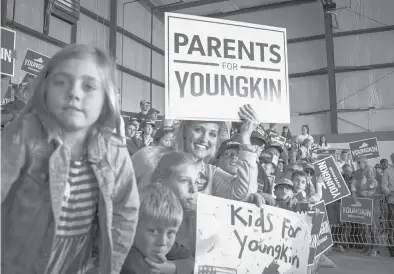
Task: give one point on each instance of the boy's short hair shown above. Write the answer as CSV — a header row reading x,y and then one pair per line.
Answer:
x,y
159,204
169,162
306,141
298,173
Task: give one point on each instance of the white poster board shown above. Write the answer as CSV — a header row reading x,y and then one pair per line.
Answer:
x,y
214,66
238,237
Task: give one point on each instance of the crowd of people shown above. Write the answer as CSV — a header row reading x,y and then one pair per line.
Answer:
x,y
78,196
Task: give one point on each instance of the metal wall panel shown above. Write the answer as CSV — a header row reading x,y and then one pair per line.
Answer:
x,y
29,13
365,49
100,7
92,32
307,56
134,90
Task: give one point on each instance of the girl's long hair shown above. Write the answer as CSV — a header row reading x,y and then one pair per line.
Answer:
x,y
325,142
288,135
110,114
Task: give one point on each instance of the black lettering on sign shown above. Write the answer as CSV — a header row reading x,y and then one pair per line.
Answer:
x,y
227,48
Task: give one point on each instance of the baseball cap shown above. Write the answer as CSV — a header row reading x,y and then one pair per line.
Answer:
x,y
269,155
153,110
285,182
162,131
309,167
148,122
143,102
228,144
378,166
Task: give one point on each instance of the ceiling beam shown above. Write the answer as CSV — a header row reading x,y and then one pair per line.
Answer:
x,y
182,6
149,6
261,8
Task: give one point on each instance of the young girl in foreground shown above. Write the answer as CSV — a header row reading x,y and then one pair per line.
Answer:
x,y
62,166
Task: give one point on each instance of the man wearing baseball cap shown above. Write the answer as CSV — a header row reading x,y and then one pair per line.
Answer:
x,y
143,115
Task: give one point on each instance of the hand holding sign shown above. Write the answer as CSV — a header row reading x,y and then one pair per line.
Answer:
x,y
250,122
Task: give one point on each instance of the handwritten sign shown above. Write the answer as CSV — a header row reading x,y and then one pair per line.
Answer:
x,y
246,239
324,241
334,187
7,48
367,148
360,212
211,62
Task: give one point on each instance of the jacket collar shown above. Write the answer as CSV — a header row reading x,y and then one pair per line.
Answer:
x,y
97,146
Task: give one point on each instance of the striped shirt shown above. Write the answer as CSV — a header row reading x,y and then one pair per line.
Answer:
x,y
80,201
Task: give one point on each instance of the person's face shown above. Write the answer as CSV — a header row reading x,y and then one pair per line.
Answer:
x,y
183,183
309,172
344,157
148,129
74,94
280,166
228,161
282,192
362,164
308,144
299,183
323,139
304,130
131,129
167,139
347,171
379,171
201,139
153,116
285,130
269,168
154,239
145,106
136,124
385,164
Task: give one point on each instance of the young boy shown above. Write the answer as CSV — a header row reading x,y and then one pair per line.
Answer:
x,y
304,190
284,193
160,217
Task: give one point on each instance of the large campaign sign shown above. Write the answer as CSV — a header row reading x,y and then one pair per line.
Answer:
x,y
239,237
367,148
360,212
334,186
215,63
8,38
34,62
324,241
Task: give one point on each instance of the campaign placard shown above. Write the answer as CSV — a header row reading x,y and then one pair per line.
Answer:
x,y
243,238
359,213
211,63
334,186
8,38
34,62
367,148
276,139
324,241
324,153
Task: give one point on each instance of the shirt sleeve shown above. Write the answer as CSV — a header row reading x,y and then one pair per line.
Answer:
x,y
125,204
240,186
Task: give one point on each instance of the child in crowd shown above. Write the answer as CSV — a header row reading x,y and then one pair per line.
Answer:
x,y
304,153
160,217
304,191
147,137
62,166
284,193
132,141
165,137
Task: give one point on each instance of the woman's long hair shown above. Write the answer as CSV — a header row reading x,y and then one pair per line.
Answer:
x,y
325,142
288,135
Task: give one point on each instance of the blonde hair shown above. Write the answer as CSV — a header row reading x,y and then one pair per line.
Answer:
x,y
223,134
169,163
110,114
159,204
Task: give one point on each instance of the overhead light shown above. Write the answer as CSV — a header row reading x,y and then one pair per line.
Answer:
x,y
230,8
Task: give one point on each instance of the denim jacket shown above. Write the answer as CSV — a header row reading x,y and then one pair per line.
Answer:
x,y
34,172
